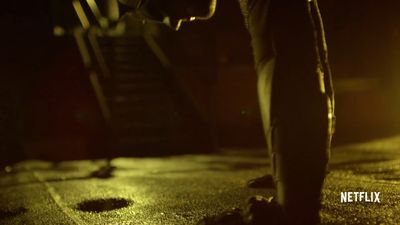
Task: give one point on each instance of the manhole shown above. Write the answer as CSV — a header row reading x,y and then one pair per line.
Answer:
x,y
8,213
101,205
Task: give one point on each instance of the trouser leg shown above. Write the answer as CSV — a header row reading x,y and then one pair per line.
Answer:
x,y
296,98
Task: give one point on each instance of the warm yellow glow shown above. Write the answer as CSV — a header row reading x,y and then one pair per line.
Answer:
x,y
80,41
81,14
175,24
96,11
320,75
213,6
58,31
211,11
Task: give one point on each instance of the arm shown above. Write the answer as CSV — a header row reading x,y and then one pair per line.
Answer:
x,y
173,12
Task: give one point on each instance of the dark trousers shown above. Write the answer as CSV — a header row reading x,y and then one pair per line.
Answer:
x,y
295,94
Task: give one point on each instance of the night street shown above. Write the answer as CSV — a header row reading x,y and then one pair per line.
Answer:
x,y
184,189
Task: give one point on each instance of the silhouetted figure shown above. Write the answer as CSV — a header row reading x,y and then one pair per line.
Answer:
x,y
295,96
296,99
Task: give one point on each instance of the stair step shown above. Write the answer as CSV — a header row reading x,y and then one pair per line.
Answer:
x,y
136,71
135,47
121,40
141,142
149,109
142,122
136,75
140,133
150,120
147,124
129,55
145,66
139,98
136,88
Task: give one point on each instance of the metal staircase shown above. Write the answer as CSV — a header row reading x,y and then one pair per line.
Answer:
x,y
141,107
146,110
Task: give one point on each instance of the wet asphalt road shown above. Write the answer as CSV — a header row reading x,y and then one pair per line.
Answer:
x,y
184,189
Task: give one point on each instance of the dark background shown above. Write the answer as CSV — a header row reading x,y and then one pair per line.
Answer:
x,y
47,102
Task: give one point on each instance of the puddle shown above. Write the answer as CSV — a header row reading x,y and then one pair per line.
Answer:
x,y
102,205
8,213
388,177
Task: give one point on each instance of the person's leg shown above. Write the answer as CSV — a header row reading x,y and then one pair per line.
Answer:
x,y
295,97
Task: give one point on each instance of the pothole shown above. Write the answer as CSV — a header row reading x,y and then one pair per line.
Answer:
x,y
8,213
102,205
